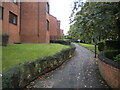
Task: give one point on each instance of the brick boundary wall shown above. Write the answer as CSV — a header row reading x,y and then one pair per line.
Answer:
x,y
110,73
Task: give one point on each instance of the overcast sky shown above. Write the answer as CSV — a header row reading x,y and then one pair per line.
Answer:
x,y
61,9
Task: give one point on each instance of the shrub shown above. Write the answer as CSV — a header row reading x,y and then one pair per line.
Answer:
x,y
5,38
109,45
117,58
108,57
61,42
21,75
11,77
111,53
112,45
101,46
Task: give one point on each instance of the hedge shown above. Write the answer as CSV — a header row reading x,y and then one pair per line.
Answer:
x,y
61,42
5,38
111,53
108,57
112,44
117,58
108,45
23,74
101,46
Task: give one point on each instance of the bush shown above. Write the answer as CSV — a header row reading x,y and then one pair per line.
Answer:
x,y
112,45
11,77
117,58
101,46
21,75
5,38
111,53
109,45
108,57
61,42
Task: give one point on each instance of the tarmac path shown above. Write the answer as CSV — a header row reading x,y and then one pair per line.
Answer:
x,y
81,71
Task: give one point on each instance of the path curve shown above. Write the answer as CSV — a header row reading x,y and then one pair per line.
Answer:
x,y
79,72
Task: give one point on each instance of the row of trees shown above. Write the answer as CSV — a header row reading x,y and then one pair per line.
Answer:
x,y
100,20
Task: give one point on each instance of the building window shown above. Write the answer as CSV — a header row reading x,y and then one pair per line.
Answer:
x,y
47,25
15,1
12,18
1,12
47,7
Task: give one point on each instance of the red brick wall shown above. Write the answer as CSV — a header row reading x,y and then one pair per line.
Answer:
x,y
29,22
33,24
43,32
110,74
58,29
61,32
11,29
0,23
47,32
53,28
31,27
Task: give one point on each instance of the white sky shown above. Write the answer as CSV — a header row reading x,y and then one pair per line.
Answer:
x,y
61,9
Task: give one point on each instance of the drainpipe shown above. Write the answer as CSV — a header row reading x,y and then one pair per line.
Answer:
x,y
38,19
20,20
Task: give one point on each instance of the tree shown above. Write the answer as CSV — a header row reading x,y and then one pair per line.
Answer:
x,y
96,20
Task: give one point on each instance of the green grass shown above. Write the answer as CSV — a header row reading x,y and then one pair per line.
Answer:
x,y
20,53
91,47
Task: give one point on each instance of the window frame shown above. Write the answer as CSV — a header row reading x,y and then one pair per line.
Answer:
x,y
16,18
47,25
2,12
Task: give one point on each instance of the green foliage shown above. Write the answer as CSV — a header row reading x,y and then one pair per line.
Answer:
x,y
20,53
117,58
22,74
101,46
112,44
11,77
109,45
95,20
91,47
5,38
111,54
109,57
64,42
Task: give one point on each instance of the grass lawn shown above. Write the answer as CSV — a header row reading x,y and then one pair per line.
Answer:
x,y
20,53
91,47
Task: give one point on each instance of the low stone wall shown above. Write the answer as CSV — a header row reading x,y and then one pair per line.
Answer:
x,y
109,70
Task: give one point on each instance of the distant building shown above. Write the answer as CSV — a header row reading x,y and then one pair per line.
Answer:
x,y
53,28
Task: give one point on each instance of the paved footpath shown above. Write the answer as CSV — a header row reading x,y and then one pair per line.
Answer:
x,y
79,72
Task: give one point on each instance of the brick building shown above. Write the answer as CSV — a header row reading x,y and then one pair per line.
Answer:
x,y
10,20
53,28
28,22
58,30
35,22
61,32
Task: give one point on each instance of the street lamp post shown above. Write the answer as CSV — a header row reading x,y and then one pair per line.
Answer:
x,y
95,49
95,46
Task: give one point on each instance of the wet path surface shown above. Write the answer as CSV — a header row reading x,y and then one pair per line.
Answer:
x,y
79,72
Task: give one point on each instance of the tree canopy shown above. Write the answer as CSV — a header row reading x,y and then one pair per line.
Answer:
x,y
100,20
